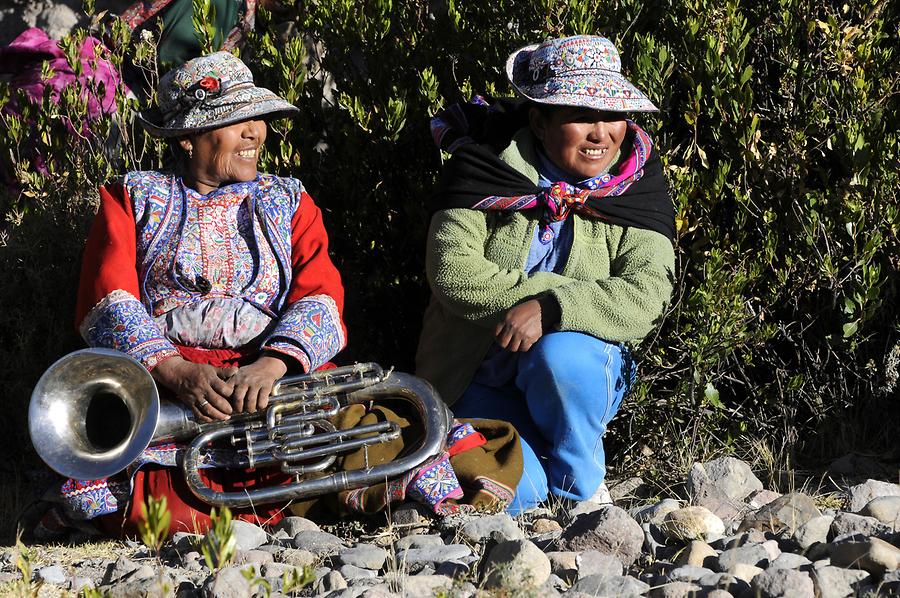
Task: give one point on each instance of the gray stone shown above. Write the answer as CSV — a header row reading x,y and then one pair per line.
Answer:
x,y
676,589
814,530
732,476
564,564
294,525
352,572
753,536
227,582
790,560
761,498
718,593
57,20
52,574
157,585
421,541
891,581
297,557
850,524
276,550
515,563
119,570
837,582
319,543
788,512
545,526
426,585
630,489
142,572
592,562
410,517
454,569
862,494
609,530
873,555
583,508
276,570
330,582
498,528
654,541
433,554
185,542
783,583
656,513
721,485
885,509
364,555
254,557
692,523
248,536
744,572
621,587
727,582
687,573
697,553
81,583
750,554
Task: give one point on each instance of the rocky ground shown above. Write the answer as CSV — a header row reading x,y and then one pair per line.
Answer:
x,y
736,538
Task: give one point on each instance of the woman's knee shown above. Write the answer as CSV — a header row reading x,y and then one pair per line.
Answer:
x,y
573,359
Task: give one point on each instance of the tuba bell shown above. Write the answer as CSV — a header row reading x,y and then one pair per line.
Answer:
x,y
94,412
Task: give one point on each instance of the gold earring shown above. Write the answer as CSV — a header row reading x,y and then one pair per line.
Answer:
x,y
190,153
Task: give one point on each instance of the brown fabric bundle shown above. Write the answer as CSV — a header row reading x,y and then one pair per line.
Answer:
x,y
488,474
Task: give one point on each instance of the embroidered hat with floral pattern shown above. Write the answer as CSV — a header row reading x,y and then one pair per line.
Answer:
x,y
209,92
582,70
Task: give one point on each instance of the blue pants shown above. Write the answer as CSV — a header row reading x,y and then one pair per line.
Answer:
x,y
565,391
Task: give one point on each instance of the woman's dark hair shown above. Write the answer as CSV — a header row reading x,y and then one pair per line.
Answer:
x,y
175,158
546,110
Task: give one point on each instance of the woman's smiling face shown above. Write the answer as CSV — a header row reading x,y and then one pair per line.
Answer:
x,y
225,155
581,141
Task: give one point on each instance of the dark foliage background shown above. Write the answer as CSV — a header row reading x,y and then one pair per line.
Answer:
x,y
779,131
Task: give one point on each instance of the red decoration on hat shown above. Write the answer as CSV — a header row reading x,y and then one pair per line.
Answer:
x,y
210,83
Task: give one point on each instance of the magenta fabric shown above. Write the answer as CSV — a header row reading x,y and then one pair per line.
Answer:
x,y
25,55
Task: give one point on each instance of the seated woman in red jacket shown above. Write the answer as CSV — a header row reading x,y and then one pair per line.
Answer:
x,y
215,277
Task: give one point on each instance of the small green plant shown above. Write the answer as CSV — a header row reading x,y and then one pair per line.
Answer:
x,y
89,592
204,21
297,579
25,587
219,544
155,522
259,583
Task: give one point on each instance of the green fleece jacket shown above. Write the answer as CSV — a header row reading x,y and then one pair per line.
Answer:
x,y
615,283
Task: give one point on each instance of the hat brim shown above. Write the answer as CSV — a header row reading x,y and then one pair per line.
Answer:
x,y
243,104
591,88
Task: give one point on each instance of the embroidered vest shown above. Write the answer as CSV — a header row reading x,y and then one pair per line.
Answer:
x,y
160,205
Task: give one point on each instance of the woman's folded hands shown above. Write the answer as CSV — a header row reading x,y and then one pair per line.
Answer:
x,y
525,323
215,393
253,383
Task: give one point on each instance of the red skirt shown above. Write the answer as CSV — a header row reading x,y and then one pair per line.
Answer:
x,y
190,514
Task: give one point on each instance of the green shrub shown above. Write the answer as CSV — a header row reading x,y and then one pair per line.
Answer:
x,y
779,134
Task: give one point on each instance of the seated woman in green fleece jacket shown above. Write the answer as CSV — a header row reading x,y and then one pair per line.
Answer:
x,y
549,253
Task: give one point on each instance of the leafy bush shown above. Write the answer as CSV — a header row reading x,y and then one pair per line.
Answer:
x,y
779,134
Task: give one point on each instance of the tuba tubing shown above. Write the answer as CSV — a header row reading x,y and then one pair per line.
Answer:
x,y
415,390
91,393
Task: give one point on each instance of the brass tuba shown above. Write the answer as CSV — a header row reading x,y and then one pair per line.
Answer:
x,y
94,412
